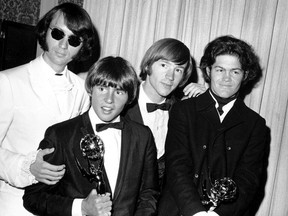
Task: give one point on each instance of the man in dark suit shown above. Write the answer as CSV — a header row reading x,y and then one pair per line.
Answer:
x,y
166,65
125,172
215,140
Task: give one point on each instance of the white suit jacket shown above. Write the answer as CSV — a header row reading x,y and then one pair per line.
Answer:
x,y
27,107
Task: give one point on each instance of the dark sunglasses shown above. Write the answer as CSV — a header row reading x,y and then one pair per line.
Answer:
x,y
58,34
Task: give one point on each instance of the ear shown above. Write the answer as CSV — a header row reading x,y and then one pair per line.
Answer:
x,y
208,72
245,75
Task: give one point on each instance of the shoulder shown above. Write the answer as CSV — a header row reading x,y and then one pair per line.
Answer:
x,y
136,127
76,79
82,75
66,127
248,112
16,71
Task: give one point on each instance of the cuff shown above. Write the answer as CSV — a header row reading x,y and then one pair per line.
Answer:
x,y
25,169
76,207
202,213
212,213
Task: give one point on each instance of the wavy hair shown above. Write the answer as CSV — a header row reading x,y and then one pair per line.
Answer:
x,y
229,45
78,21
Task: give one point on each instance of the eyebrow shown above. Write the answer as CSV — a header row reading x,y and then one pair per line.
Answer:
x,y
169,62
231,68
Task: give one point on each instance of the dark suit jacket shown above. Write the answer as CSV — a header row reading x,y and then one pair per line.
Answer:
x,y
199,148
132,112
136,189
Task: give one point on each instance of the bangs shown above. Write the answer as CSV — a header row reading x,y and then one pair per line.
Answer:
x,y
174,52
112,75
108,83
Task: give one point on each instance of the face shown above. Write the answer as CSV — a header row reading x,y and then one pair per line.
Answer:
x,y
108,102
60,52
226,76
165,76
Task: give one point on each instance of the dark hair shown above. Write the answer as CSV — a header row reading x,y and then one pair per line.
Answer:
x,y
77,20
115,72
232,46
168,49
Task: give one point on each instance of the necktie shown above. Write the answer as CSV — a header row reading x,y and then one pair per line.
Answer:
x,y
152,106
223,101
104,126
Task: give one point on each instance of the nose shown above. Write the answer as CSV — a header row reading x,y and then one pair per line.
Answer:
x,y
170,74
109,98
63,43
227,75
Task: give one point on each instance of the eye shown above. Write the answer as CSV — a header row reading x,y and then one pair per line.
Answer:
x,y
163,65
237,72
220,70
179,70
120,92
101,88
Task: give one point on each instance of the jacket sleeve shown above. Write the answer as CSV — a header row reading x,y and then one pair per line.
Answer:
x,y
14,166
179,163
248,172
42,199
149,191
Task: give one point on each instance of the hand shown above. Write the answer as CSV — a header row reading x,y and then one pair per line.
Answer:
x,y
194,90
96,204
44,171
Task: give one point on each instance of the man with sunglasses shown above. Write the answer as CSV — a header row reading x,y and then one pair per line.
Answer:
x,y
37,95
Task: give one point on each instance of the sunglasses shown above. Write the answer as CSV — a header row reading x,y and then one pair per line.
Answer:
x,y
58,34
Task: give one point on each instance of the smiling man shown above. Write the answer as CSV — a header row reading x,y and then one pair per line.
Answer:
x,y
215,140
166,65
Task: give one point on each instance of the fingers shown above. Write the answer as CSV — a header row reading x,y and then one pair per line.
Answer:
x,y
97,204
193,90
56,169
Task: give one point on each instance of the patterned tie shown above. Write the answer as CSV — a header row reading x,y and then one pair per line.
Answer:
x,y
104,126
151,107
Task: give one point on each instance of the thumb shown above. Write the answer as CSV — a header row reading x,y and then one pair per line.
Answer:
x,y
47,151
93,192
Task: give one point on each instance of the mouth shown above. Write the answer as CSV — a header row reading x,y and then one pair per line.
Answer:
x,y
167,85
107,110
60,54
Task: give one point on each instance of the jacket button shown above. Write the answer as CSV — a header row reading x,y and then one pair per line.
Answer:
x,y
204,146
196,176
229,148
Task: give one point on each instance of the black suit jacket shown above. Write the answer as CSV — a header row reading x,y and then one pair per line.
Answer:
x,y
132,112
136,190
199,148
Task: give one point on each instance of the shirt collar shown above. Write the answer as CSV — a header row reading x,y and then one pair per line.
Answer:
x,y
96,120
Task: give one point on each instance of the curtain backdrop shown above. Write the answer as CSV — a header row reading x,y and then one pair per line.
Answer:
x,y
128,27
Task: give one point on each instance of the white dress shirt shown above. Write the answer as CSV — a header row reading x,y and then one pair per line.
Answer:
x,y
157,121
111,138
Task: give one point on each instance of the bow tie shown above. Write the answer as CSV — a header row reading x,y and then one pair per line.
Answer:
x,y
104,126
152,106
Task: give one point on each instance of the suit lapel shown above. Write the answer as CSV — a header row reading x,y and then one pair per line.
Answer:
x,y
41,86
125,149
205,105
234,116
86,128
133,112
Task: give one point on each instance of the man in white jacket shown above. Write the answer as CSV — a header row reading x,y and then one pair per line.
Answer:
x,y
37,95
